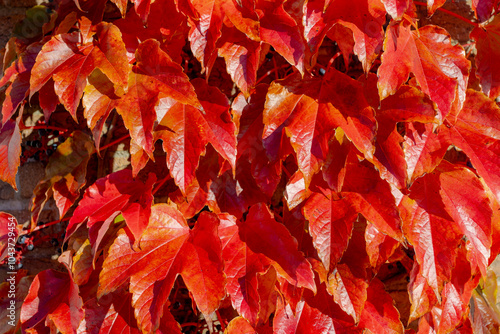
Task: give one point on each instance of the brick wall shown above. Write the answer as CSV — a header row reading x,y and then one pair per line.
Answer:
x,y
11,12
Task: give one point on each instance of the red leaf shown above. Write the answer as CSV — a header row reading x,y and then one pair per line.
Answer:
x,y
364,20
248,116
379,246
488,50
242,56
53,296
396,8
280,30
296,191
389,157
111,314
107,197
453,309
98,104
372,197
483,8
205,31
186,130
9,231
242,268
334,169
263,234
171,32
310,109
450,202
64,53
433,5
422,297
10,152
431,231
423,149
330,224
476,132
302,319
348,291
167,248
466,201
239,325
379,314
428,53
18,74
154,76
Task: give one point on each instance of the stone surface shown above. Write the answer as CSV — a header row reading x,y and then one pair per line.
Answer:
x,y
6,191
29,176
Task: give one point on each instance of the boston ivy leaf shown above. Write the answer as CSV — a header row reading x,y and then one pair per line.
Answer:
x,y
239,325
107,197
280,30
408,104
379,313
487,39
169,32
242,267
302,319
453,309
98,101
477,132
310,109
330,225
52,298
348,291
423,149
483,8
439,67
364,20
264,235
9,231
64,53
422,297
379,246
154,76
435,222
242,56
18,74
396,8
110,315
122,6
372,197
185,131
168,247
466,201
205,31
248,117
10,152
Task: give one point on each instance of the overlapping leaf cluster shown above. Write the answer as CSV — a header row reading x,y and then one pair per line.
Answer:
x,y
290,205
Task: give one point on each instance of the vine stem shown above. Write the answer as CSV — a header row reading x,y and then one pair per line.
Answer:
x,y
161,183
42,127
330,63
268,73
114,142
420,3
222,325
189,324
44,226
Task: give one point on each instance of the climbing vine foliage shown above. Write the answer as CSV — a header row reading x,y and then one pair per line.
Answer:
x,y
320,166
